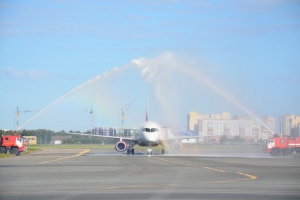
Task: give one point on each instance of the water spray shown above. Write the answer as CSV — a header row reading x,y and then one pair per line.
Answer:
x,y
97,78
154,67
226,95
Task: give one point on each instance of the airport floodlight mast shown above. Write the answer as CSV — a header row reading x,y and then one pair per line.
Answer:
x,y
91,116
123,113
20,111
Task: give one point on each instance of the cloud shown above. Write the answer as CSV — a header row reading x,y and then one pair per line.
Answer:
x,y
10,72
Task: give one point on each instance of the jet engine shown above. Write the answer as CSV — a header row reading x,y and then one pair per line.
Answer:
x,y
176,146
121,146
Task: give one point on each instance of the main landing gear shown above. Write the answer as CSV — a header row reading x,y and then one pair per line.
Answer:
x,y
150,151
130,150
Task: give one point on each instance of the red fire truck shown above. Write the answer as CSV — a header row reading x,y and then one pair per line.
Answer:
x,y
12,143
283,145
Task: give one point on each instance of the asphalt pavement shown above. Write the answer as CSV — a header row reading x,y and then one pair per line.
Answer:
x,y
101,173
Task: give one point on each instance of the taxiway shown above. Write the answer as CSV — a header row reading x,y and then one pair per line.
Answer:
x,y
106,174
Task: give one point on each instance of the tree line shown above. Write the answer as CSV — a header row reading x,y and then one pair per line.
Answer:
x,y
45,136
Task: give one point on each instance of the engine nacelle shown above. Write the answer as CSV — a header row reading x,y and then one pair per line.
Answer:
x,y
176,146
121,146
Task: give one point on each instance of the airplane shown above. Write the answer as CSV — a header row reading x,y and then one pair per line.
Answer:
x,y
149,135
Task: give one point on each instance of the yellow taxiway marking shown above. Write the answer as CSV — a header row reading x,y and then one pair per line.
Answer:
x,y
250,177
66,157
247,176
191,165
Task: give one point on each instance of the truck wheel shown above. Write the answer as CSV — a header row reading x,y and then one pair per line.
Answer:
x,y
287,151
2,150
15,151
274,152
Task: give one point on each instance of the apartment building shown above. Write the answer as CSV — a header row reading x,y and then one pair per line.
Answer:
x,y
215,125
289,124
193,118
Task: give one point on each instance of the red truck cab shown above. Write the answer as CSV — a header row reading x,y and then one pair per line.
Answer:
x,y
282,145
13,144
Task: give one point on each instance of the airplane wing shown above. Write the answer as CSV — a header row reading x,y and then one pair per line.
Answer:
x,y
104,136
174,142
180,138
187,137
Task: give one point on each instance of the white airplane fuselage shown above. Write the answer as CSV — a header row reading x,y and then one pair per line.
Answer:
x,y
149,134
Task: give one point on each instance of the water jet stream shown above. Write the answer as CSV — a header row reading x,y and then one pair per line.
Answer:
x,y
97,78
226,95
157,70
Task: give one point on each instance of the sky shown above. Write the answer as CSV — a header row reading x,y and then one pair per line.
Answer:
x,y
61,59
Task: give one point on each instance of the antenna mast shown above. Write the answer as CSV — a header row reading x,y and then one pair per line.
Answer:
x,y
147,111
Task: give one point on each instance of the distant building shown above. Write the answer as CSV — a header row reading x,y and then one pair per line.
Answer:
x,y
60,138
193,118
297,130
285,124
216,125
106,131
30,140
265,131
289,124
168,131
56,142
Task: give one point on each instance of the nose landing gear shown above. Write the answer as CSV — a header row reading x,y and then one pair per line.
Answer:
x,y
150,149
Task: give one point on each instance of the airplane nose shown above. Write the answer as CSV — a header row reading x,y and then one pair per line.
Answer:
x,y
151,136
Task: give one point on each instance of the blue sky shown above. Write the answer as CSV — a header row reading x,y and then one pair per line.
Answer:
x,y
177,54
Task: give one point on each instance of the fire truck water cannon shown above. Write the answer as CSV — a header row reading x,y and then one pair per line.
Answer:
x,y
13,144
283,145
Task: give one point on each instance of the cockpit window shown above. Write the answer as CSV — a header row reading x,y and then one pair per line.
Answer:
x,y
150,129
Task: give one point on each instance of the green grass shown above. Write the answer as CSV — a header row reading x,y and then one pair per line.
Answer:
x,y
201,146
296,155
76,146
30,149
238,147
5,155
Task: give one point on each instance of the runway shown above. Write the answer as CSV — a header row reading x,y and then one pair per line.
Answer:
x,y
107,174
